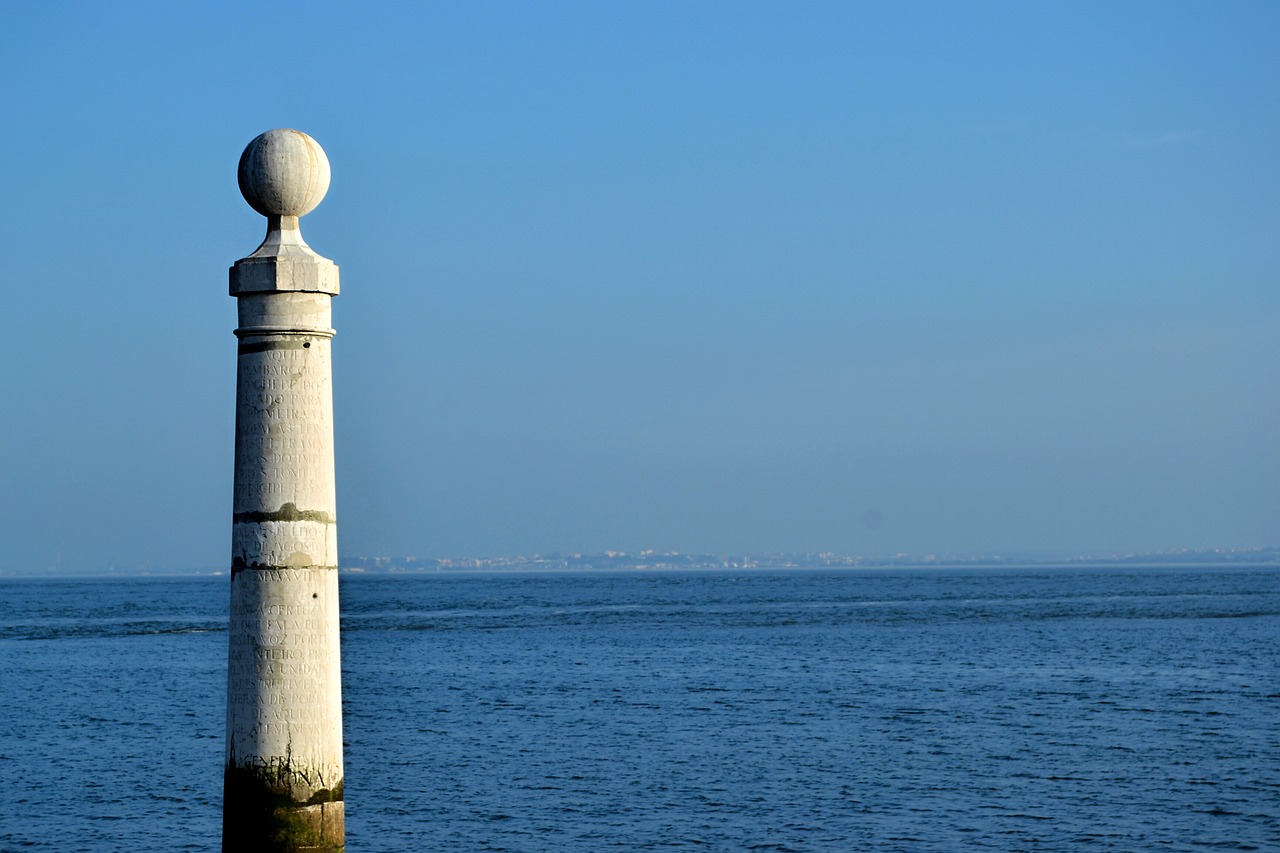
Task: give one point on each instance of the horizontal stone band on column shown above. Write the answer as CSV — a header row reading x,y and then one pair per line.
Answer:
x,y
269,346
307,274
284,330
288,512
238,565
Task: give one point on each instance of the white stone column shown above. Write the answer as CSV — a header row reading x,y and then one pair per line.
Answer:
x,y
283,783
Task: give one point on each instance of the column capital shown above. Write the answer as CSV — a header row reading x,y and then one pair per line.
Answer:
x,y
283,174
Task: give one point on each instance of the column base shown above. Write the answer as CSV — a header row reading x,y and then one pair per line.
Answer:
x,y
258,819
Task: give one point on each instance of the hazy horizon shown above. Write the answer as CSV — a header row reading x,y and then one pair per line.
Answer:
x,y
675,561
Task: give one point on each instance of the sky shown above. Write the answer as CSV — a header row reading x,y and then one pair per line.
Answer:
x,y
709,277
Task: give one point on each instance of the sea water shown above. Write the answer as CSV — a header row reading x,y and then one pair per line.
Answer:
x,y
1103,708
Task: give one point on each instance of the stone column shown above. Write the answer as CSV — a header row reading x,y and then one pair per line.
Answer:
x,y
283,783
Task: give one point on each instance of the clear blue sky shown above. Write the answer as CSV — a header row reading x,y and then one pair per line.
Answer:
x,y
718,276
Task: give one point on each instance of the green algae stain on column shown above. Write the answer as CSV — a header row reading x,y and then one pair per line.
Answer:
x,y
283,783
260,813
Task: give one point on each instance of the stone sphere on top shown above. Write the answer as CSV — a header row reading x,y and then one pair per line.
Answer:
x,y
283,173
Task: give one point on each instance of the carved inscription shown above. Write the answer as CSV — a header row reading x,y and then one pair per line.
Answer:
x,y
285,543
283,668
284,430
284,455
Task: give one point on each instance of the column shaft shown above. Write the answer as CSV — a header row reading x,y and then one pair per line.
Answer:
x,y
283,787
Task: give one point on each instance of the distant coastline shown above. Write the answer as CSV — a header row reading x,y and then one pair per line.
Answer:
x,y
650,560
615,561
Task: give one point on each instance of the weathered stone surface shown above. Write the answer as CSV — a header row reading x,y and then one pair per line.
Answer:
x,y
283,172
258,815
283,262
284,774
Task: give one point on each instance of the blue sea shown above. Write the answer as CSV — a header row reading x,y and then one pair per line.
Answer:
x,y
1102,708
